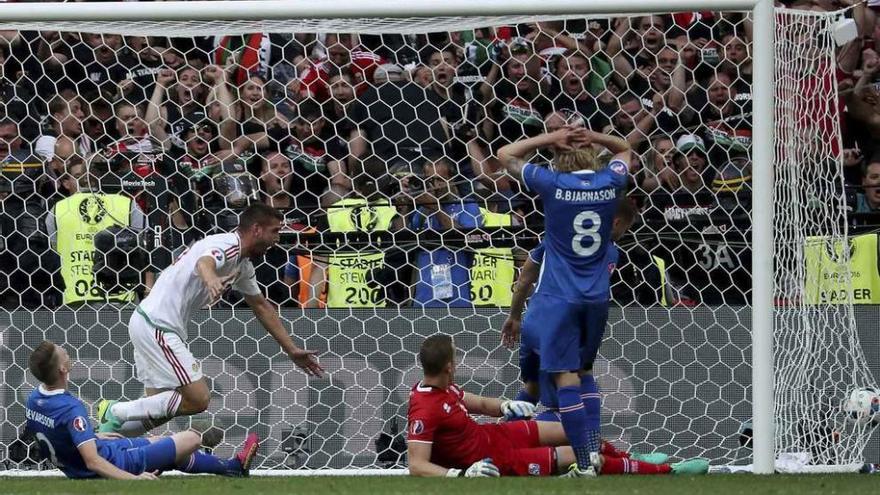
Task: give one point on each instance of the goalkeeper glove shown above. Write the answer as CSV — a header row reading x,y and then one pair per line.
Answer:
x,y
517,409
479,469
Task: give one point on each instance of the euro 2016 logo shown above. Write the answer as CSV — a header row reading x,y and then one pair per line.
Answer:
x,y
92,210
364,218
416,427
839,254
79,423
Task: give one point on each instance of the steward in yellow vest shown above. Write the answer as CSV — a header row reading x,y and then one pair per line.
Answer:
x,y
347,273
72,225
76,221
347,278
826,279
493,269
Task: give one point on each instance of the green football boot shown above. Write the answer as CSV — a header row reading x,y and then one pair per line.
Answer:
x,y
107,423
691,466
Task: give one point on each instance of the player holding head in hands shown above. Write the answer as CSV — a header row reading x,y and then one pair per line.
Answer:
x,y
443,439
538,385
60,423
172,378
580,196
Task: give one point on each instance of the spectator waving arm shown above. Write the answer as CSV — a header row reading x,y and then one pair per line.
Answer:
x,y
155,115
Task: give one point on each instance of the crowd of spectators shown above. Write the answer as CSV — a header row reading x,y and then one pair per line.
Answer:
x,y
293,120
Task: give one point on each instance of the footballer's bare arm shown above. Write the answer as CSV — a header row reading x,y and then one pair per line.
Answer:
x,y
206,268
268,316
419,456
486,406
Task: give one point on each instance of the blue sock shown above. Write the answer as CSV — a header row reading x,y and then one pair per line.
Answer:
x,y
525,396
592,402
574,422
200,462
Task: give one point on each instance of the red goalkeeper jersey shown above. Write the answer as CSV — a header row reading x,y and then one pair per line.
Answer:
x,y
439,417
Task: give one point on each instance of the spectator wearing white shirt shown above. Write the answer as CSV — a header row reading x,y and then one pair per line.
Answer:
x,y
66,116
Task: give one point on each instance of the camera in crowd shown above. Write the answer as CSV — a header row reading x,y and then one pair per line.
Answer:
x,y
121,256
402,183
373,175
464,131
222,191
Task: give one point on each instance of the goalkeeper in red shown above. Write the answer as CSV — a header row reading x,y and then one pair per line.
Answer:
x,y
443,440
172,377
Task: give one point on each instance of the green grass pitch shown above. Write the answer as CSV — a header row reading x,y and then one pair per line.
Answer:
x,y
612,485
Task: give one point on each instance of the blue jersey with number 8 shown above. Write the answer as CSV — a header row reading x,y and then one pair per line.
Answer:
x,y
579,210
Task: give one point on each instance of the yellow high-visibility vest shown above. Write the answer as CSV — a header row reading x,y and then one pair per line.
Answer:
x,y
493,270
78,218
826,280
347,273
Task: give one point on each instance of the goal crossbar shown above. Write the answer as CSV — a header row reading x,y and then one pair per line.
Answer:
x,y
302,9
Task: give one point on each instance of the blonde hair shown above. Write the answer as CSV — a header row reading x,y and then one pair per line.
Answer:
x,y
587,158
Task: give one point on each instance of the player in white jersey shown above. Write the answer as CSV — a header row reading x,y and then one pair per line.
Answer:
x,y
172,378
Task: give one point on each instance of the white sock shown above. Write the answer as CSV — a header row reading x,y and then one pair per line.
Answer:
x,y
133,428
159,406
136,428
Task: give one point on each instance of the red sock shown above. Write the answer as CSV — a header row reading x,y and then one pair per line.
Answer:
x,y
609,450
619,465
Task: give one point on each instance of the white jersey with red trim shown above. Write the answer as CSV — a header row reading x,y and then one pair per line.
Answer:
x,y
179,290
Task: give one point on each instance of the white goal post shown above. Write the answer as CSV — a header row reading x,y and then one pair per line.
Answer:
x,y
269,15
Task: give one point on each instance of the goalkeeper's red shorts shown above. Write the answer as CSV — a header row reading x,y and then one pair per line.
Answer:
x,y
517,450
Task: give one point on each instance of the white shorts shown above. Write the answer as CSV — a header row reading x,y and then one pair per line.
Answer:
x,y
161,358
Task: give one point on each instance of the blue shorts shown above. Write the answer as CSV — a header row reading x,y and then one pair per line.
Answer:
x,y
529,349
570,333
136,455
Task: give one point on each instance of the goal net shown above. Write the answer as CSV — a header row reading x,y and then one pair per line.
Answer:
x,y
819,359
377,138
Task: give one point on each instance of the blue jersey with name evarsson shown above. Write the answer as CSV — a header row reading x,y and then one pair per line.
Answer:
x,y
60,423
579,210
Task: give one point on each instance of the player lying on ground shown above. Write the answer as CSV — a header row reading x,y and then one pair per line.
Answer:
x,y
530,361
580,196
172,378
61,425
443,440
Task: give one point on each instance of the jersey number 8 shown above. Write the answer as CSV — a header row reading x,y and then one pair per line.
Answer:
x,y
591,232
